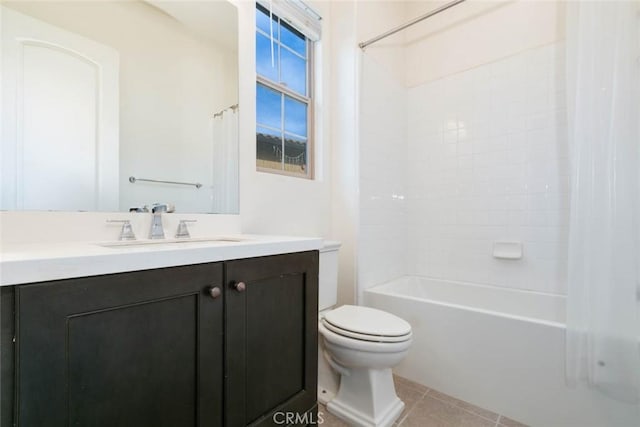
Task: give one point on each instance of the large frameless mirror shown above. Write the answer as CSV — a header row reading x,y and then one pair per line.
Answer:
x,y
114,105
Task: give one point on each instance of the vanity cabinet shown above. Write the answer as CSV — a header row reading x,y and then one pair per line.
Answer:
x,y
178,346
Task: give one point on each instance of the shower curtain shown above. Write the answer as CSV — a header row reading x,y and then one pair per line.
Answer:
x,y
225,162
603,308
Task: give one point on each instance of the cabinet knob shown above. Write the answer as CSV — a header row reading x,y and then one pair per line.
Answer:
x,y
240,286
215,292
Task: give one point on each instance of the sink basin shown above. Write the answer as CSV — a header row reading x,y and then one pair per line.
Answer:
x,y
170,242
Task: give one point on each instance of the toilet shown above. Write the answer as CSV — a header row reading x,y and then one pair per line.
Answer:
x,y
358,348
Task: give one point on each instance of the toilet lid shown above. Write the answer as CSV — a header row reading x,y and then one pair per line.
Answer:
x,y
366,321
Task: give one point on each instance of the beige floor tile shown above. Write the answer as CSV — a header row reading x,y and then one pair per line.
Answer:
x,y
465,405
508,422
410,396
408,383
431,412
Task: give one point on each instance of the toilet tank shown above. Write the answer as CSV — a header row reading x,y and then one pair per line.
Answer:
x,y
328,275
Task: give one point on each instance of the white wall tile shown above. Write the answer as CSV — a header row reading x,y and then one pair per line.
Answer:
x,y
449,167
506,179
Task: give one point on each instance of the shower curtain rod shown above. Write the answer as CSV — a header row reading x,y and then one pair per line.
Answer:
x,y
410,23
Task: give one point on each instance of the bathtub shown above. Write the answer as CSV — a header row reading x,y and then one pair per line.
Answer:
x,y
498,348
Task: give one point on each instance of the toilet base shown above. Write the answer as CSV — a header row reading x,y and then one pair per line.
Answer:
x,y
367,398
324,395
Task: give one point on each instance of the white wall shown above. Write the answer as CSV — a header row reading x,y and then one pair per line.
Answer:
x,y
476,32
172,81
375,17
344,145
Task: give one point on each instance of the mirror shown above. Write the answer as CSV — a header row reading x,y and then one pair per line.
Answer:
x,y
113,105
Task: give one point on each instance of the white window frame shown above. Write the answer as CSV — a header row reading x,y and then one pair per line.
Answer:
x,y
283,90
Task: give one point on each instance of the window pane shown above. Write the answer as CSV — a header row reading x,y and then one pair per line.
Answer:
x,y
295,116
295,154
263,57
293,39
269,148
293,72
262,22
268,107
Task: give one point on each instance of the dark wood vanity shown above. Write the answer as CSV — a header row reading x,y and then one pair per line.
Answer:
x,y
217,344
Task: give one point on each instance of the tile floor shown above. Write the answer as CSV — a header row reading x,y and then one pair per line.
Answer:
x,y
429,408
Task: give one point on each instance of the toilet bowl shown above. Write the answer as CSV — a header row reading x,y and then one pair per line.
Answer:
x,y
362,345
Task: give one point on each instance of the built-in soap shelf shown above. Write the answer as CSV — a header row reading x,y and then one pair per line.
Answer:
x,y
507,250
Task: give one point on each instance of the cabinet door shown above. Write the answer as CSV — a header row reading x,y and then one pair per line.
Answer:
x,y
272,337
131,349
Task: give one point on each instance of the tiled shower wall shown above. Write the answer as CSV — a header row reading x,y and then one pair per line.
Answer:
x,y
382,176
487,160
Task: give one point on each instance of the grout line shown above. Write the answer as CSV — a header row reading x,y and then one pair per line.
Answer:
x,y
414,406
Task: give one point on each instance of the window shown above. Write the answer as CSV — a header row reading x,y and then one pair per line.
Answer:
x,y
284,101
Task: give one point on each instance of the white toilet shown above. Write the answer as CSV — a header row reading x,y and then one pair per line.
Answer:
x,y
358,347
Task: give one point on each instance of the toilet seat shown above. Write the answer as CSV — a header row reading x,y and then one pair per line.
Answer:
x,y
362,345
365,337
367,324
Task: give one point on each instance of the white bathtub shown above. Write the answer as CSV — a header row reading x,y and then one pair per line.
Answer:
x,y
498,348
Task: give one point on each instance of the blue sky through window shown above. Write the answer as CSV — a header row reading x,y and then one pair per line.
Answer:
x,y
294,71
264,67
268,107
294,40
262,22
295,119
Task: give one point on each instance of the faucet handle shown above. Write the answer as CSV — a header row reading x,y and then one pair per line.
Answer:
x,y
126,233
183,231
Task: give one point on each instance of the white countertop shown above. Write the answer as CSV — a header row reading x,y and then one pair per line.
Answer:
x,y
38,262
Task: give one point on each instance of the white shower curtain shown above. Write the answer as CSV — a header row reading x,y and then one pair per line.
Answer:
x,y
603,316
225,162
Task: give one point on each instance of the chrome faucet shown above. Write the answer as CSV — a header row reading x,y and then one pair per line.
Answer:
x,y
157,231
